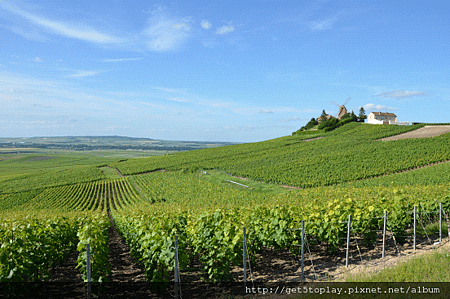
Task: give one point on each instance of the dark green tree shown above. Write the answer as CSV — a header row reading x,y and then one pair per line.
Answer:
x,y
323,116
313,122
362,115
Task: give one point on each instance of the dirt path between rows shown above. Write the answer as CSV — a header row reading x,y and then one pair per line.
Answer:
x,y
123,267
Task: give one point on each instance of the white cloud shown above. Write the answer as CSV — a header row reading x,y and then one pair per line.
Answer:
x,y
81,32
81,74
181,100
322,25
170,90
225,29
37,59
165,33
205,24
295,118
121,59
373,107
400,94
266,111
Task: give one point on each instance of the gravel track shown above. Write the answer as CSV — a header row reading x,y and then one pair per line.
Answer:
x,y
424,132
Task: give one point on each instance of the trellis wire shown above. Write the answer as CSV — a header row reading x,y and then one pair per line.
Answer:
x,y
414,237
303,250
246,257
348,238
356,241
415,224
440,222
423,227
177,271
425,213
310,256
384,232
88,269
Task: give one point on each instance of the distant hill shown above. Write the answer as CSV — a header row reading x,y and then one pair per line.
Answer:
x,y
348,153
106,143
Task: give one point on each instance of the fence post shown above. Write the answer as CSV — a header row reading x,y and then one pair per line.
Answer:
x,y
244,257
303,250
440,222
88,269
348,238
177,270
384,232
415,220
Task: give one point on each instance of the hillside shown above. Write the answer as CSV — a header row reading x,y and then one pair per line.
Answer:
x,y
136,206
346,154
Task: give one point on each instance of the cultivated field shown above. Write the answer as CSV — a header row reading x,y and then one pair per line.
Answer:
x,y
424,132
130,210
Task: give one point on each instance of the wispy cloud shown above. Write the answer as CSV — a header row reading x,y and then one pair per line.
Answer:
x,y
81,74
295,118
373,107
205,24
323,24
225,29
266,111
181,100
170,90
165,33
121,59
81,32
32,35
400,94
37,59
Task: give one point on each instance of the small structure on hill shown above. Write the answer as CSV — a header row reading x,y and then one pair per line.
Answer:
x,y
384,118
322,118
342,110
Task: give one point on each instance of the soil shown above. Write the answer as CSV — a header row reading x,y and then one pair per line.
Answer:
x,y
284,266
424,132
123,267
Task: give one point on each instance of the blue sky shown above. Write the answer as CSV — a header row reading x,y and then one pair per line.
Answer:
x,y
238,71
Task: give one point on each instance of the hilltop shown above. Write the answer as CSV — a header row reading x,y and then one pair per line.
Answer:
x,y
349,153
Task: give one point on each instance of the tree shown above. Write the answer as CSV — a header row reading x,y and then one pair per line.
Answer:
x,y
323,116
313,122
362,115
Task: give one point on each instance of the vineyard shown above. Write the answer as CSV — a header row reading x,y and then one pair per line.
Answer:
x,y
51,211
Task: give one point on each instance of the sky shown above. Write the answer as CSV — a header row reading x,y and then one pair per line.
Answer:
x,y
234,71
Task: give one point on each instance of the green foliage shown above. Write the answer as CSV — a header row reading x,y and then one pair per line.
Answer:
x,y
362,115
151,240
31,246
311,124
94,231
290,161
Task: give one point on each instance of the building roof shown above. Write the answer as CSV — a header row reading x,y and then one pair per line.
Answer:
x,y
384,114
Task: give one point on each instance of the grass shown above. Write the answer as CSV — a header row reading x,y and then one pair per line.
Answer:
x,y
110,173
424,268
219,177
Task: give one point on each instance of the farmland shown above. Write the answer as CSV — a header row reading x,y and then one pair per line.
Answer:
x,y
73,199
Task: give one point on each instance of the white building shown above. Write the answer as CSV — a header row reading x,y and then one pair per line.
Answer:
x,y
384,118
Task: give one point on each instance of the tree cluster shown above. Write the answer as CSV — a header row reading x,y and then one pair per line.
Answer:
x,y
333,123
